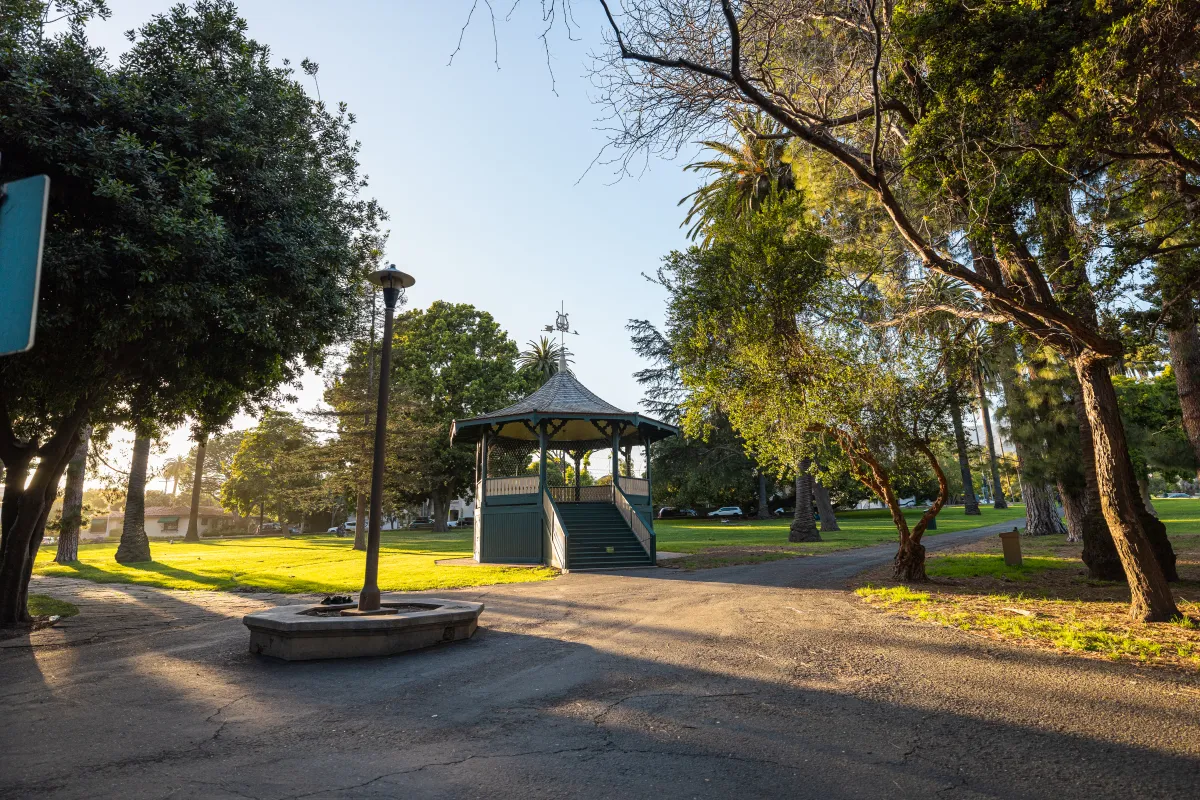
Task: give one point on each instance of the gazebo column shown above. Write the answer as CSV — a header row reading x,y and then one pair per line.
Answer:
x,y
649,482
541,459
616,457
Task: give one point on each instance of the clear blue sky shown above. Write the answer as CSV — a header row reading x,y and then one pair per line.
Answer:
x,y
478,168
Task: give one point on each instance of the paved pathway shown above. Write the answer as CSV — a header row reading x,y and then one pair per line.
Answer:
x,y
767,680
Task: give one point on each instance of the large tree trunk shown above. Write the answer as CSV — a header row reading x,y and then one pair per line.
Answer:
x,y
825,508
1041,517
1151,599
997,489
135,545
970,502
763,511
72,513
1183,340
25,508
441,510
1074,509
193,528
804,528
1100,553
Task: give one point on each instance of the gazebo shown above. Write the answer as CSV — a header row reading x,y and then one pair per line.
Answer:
x,y
531,512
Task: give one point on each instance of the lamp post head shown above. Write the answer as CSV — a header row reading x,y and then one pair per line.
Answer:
x,y
393,282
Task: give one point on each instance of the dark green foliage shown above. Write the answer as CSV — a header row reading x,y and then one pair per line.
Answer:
x,y
205,242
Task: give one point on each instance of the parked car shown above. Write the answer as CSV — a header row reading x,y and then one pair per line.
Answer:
x,y
270,527
671,512
421,522
727,512
1180,495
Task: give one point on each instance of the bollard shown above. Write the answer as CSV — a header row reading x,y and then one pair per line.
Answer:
x,y
1011,542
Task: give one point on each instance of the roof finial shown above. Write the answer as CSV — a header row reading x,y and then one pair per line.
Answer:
x,y
562,324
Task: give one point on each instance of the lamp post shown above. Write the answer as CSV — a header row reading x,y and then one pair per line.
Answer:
x,y
393,282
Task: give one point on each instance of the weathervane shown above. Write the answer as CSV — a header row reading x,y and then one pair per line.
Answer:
x,y
563,326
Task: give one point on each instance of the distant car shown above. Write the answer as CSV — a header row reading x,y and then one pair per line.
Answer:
x,y
270,527
452,523
1179,495
671,512
421,522
727,512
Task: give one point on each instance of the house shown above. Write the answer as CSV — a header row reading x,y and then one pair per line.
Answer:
x,y
169,522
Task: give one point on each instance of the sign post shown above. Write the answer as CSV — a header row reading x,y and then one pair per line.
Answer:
x,y
22,231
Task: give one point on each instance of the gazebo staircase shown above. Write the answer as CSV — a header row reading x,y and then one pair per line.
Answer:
x,y
599,538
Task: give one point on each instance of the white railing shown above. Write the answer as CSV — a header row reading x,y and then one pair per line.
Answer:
x,y
635,486
643,532
583,494
556,532
526,484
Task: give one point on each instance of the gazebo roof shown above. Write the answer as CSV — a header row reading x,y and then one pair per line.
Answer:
x,y
573,411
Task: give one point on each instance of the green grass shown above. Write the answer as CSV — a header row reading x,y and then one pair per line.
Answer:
x,y
41,605
1081,635
309,564
973,565
858,529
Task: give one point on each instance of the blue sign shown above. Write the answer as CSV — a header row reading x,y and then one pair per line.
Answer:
x,y
22,230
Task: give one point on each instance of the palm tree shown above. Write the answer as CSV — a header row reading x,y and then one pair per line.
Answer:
x,y
743,176
543,357
173,470
979,354
940,294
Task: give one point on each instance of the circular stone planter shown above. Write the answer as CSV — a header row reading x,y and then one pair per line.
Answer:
x,y
306,632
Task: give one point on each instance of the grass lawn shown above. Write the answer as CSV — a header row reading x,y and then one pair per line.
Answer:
x,y
713,544
309,564
1049,601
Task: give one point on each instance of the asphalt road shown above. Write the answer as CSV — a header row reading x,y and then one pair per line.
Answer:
x,y
758,681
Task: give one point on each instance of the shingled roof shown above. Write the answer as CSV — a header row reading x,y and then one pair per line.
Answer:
x,y
562,398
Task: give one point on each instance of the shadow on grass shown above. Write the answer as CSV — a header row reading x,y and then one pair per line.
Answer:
x,y
154,573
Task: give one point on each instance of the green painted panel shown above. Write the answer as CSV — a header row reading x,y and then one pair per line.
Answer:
x,y
511,500
512,535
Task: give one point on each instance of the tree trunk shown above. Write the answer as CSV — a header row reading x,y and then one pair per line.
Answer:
x,y
1151,599
1041,517
360,526
804,528
763,511
825,508
135,544
997,489
1100,553
1075,509
1183,340
25,508
193,528
1147,502
909,564
72,513
970,502
441,510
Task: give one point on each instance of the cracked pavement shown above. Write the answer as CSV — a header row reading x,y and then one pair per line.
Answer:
x,y
758,681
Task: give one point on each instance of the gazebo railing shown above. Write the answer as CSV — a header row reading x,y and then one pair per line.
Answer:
x,y
639,487
582,494
555,533
643,531
524,484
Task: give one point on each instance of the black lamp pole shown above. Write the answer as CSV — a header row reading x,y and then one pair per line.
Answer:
x,y
393,282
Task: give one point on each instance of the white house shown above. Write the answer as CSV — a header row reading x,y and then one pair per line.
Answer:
x,y
169,522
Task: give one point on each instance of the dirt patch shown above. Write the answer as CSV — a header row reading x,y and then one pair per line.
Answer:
x,y
729,557
1049,603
